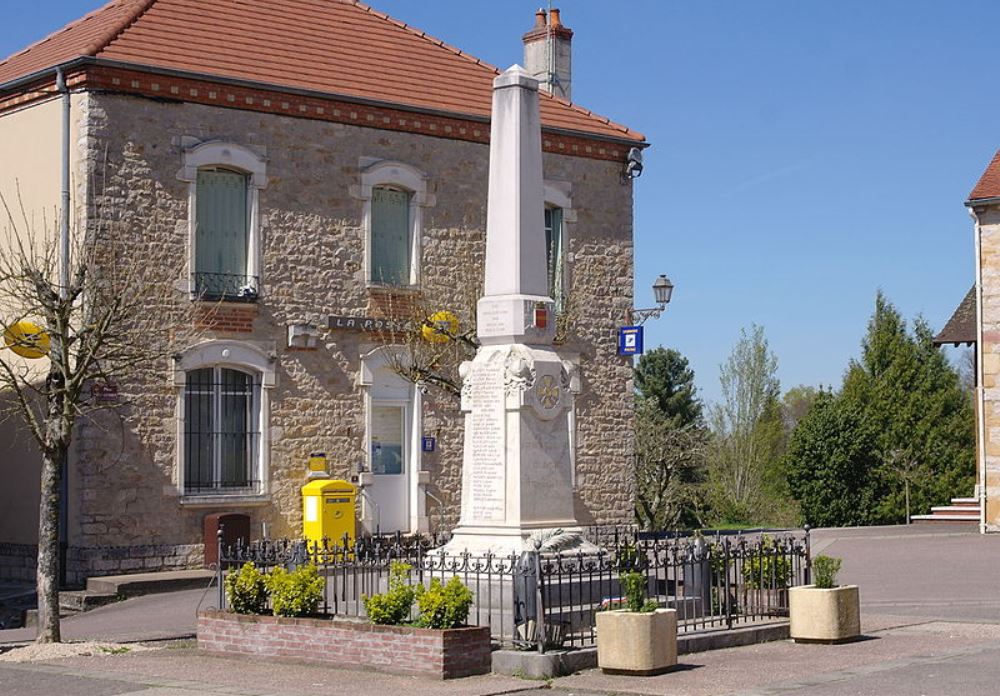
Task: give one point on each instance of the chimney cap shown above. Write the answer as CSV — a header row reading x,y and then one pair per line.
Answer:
x,y
548,24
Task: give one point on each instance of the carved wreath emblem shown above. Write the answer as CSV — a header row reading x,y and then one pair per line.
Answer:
x,y
548,392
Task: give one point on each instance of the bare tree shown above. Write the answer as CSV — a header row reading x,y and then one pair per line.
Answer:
x,y
87,323
670,463
747,427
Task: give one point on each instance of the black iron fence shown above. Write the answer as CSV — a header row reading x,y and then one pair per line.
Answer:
x,y
538,600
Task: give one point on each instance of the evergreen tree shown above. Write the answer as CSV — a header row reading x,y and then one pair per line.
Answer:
x,y
670,442
831,460
664,377
906,404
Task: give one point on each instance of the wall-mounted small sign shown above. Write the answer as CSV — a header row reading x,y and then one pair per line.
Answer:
x,y
106,393
630,340
364,324
428,444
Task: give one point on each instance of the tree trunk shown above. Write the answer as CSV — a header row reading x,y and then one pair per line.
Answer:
x,y
48,546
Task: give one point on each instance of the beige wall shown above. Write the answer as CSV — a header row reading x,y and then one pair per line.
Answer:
x,y
989,220
313,253
30,183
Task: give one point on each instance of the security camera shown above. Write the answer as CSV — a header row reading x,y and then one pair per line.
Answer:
x,y
633,163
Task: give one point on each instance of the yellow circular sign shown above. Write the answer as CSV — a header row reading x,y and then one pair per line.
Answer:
x,y
439,326
27,339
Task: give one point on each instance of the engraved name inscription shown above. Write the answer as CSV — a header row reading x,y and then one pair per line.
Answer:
x,y
488,446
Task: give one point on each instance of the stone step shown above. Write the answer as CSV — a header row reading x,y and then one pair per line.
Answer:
x,y
925,519
965,501
150,583
955,510
82,600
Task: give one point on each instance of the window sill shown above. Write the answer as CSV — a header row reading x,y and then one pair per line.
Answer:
x,y
383,289
224,499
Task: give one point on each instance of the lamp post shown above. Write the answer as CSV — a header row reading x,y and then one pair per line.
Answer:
x,y
662,291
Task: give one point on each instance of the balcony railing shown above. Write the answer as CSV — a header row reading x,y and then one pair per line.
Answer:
x,y
226,287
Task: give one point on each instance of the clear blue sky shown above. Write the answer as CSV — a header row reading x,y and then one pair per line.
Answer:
x,y
803,154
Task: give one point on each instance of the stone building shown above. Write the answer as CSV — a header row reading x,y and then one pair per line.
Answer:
x,y
285,172
976,322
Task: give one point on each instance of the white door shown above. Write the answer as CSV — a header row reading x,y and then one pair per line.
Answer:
x,y
388,454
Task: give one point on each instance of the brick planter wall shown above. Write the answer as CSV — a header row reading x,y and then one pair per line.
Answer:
x,y
457,652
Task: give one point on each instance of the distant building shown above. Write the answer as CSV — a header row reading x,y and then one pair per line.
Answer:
x,y
976,322
294,167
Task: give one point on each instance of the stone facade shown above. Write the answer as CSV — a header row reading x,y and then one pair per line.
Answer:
x,y
125,480
988,345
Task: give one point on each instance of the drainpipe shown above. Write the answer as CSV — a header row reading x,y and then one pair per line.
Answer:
x,y
980,389
64,210
64,262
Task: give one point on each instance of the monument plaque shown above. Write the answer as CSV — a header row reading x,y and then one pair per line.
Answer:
x,y
487,442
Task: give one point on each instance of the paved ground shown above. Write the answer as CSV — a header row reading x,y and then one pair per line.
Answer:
x,y
151,617
931,614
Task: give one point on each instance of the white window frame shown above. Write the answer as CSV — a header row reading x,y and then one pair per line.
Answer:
x,y
402,177
559,194
236,355
225,155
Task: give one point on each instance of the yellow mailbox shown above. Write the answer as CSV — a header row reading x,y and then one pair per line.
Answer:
x,y
328,511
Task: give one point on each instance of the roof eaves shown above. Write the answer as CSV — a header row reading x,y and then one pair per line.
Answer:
x,y
253,84
976,202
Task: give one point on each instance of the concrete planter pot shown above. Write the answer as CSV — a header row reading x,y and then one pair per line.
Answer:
x,y
824,615
440,654
636,643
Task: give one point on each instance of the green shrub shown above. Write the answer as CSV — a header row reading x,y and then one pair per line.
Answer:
x,y
768,568
825,569
634,588
392,607
444,606
297,593
246,590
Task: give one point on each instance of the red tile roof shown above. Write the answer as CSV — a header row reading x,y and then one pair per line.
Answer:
x,y
339,47
988,185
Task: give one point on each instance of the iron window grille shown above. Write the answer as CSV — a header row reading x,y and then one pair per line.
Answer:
x,y
221,432
227,287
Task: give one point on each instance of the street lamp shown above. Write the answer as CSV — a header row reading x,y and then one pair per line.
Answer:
x,y
662,291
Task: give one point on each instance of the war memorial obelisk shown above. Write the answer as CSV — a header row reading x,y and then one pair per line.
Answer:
x,y
517,394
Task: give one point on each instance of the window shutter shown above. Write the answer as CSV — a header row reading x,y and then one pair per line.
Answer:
x,y
390,221
554,254
221,216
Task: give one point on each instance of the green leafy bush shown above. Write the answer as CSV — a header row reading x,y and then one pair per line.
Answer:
x,y
767,568
246,590
825,569
392,607
444,606
297,593
634,588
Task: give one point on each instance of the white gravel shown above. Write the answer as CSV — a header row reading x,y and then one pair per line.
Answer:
x,y
37,652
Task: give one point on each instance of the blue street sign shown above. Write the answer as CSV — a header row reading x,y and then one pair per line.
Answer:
x,y
630,340
428,443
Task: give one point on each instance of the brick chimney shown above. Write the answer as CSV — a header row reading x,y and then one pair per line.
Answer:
x,y
547,54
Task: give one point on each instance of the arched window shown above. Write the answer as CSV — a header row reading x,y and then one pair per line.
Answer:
x,y
394,196
222,429
224,180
